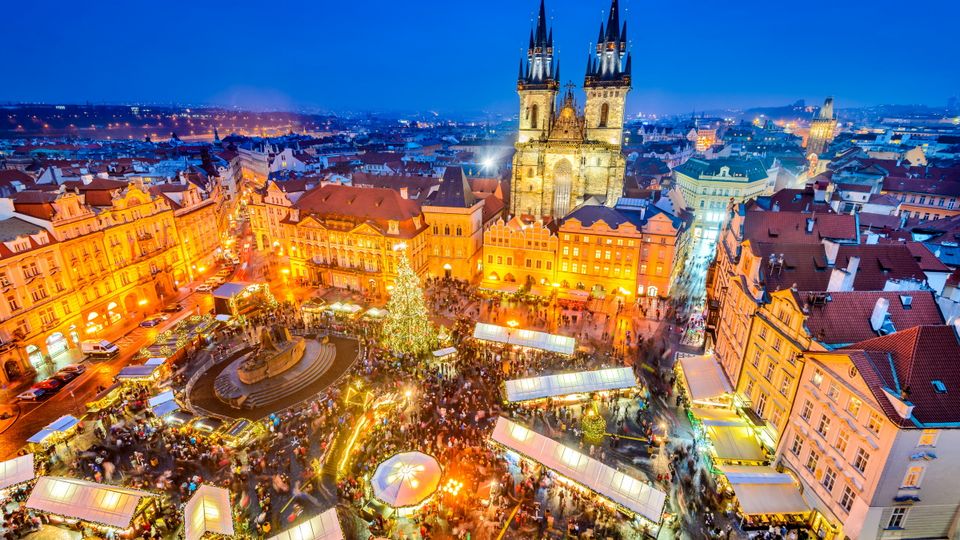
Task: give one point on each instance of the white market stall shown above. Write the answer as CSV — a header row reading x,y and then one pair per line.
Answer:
x,y
763,490
163,404
525,338
98,504
16,471
59,427
731,437
570,383
636,496
208,510
406,480
325,526
704,380
445,352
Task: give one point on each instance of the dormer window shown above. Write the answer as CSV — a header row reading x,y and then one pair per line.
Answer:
x,y
393,227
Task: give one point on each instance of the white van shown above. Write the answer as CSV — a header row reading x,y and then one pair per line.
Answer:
x,y
99,348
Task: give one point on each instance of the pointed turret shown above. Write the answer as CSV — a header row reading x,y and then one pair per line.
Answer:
x,y
610,68
826,112
540,61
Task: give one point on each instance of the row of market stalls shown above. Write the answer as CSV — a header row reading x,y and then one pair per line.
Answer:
x,y
738,446
628,494
119,511
530,339
569,386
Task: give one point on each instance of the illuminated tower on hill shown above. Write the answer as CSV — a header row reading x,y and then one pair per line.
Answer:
x,y
822,129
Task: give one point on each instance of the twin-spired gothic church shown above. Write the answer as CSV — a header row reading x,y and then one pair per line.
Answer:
x,y
566,156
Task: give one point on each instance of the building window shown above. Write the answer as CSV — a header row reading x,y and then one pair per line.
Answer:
x,y
797,445
823,427
807,410
875,422
843,437
768,373
928,438
846,500
812,461
829,477
897,518
862,459
777,343
763,333
785,384
853,406
833,392
761,404
913,477
817,378
756,359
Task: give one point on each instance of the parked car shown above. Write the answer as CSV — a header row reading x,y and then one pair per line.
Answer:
x,y
74,368
33,394
49,385
99,348
204,288
173,308
154,320
65,376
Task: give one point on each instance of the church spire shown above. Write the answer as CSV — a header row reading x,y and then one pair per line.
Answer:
x,y
610,67
541,67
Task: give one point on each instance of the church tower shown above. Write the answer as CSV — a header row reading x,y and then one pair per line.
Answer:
x,y
821,129
608,81
537,82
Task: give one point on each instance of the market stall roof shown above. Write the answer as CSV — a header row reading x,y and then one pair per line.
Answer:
x,y
325,526
500,286
163,404
704,377
541,291
208,510
763,490
136,372
735,443
230,289
446,351
633,494
155,361
344,307
406,479
717,417
525,338
376,313
60,425
573,295
16,470
570,383
224,318
113,506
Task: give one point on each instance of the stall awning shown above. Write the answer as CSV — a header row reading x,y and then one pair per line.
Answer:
x,y
717,417
704,378
137,372
447,351
734,443
224,318
163,404
542,292
525,338
375,313
230,289
573,295
60,425
208,510
156,361
342,307
625,490
16,470
500,286
570,383
763,490
325,526
113,506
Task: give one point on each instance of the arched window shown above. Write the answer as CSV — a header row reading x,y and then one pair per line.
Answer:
x,y
446,230
604,113
436,230
459,231
533,116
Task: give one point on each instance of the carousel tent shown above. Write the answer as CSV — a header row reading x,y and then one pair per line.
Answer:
x,y
635,495
163,404
208,510
525,338
325,526
570,383
60,425
113,506
15,471
406,479
763,490
705,380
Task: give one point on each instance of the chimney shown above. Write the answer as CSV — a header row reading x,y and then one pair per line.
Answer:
x,y
830,250
842,279
879,314
404,193
810,223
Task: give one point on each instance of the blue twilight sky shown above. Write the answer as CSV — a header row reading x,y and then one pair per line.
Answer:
x,y
462,55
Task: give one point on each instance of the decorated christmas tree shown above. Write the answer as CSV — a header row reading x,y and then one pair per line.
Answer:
x,y
407,328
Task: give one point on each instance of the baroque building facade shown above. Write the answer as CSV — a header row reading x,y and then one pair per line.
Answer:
x,y
564,156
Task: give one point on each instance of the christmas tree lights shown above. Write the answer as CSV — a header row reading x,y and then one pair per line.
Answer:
x,y
407,328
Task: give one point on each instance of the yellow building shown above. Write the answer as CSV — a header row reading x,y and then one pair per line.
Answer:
x,y
346,237
565,158
455,216
517,252
710,188
196,223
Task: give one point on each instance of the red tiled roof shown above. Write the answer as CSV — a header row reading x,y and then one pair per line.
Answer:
x,y
791,227
359,205
909,361
922,185
844,317
35,203
925,258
